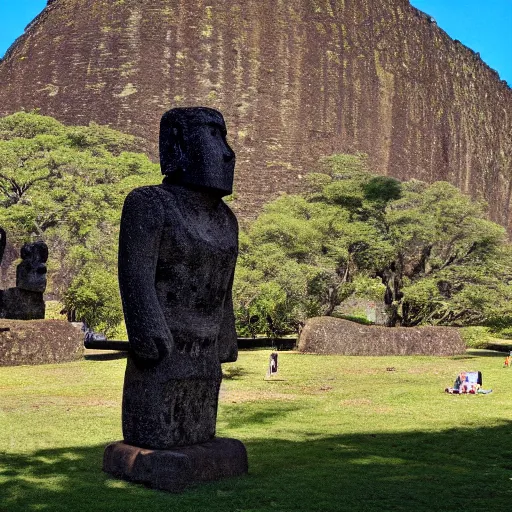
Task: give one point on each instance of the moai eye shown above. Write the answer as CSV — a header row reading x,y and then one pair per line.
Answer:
x,y
213,131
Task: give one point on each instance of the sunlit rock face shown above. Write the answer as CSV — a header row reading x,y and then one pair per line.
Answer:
x,y
295,79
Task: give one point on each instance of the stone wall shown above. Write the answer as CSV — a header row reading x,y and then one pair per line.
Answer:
x,y
39,342
296,80
327,335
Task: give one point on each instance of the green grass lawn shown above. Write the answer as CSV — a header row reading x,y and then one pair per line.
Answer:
x,y
330,433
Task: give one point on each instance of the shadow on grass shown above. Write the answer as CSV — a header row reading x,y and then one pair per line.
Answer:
x,y
461,469
110,356
233,373
472,353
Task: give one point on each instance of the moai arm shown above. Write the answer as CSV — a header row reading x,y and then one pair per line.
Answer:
x,y
139,240
227,342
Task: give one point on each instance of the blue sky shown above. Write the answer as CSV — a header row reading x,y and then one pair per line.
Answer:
x,y
15,15
483,25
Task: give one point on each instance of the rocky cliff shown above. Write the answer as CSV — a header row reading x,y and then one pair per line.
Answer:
x,y
296,79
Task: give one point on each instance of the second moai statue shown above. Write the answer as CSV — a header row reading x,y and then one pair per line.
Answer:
x,y
26,302
177,252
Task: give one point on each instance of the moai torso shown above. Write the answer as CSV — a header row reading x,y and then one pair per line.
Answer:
x,y
203,242
192,278
31,272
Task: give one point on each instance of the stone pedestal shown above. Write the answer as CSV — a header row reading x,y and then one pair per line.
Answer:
x,y
176,469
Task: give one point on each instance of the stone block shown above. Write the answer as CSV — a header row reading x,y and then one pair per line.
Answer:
x,y
327,335
39,342
176,469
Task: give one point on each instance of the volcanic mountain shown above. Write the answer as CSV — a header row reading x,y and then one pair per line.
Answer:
x,y
295,79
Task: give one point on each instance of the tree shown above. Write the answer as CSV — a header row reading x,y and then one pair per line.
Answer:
x,y
94,297
441,240
302,258
66,186
428,250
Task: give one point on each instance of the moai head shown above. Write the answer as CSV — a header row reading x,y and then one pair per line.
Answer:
x,y
194,151
31,272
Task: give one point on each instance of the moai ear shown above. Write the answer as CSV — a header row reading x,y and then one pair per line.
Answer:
x,y
179,148
173,154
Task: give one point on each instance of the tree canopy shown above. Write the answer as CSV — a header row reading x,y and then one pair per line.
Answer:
x,y
427,251
66,185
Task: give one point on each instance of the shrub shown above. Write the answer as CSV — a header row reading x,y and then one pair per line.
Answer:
x,y
476,336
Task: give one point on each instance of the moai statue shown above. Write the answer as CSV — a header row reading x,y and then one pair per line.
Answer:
x,y
178,246
25,302
31,272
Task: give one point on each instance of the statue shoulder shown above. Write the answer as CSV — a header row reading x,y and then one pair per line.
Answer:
x,y
144,203
149,196
148,193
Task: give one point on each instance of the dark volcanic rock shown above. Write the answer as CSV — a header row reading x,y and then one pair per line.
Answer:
x,y
31,272
26,302
19,304
177,252
295,79
327,335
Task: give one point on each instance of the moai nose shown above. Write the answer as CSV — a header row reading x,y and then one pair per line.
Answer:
x,y
229,155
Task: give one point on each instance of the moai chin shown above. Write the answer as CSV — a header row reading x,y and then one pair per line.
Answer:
x,y
178,246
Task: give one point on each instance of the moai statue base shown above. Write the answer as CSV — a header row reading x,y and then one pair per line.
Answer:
x,y
177,469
